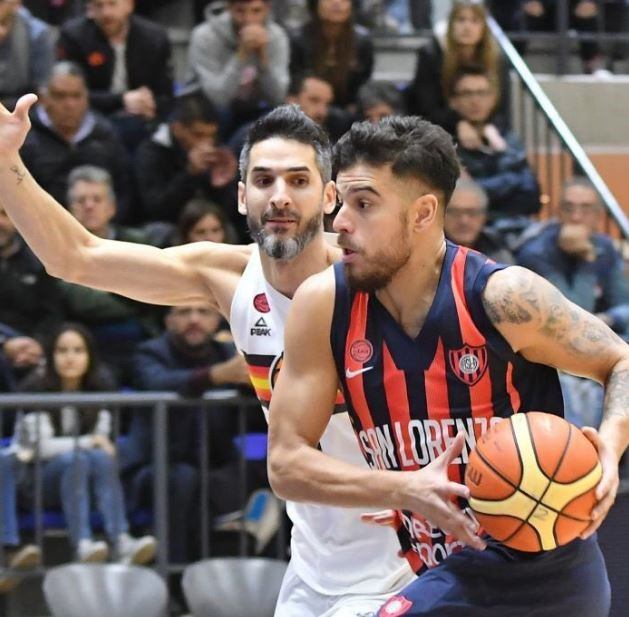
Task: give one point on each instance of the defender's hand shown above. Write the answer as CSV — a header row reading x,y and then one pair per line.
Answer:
x,y
15,125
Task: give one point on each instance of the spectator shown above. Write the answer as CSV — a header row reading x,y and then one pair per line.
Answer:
x,y
240,60
127,64
333,48
76,449
29,299
468,42
55,12
117,323
494,158
186,359
17,557
377,100
584,265
203,220
18,353
182,160
26,52
465,222
66,134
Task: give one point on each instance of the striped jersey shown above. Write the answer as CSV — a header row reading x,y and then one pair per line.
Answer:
x,y
408,397
332,551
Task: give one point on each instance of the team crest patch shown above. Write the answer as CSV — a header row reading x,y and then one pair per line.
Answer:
x,y
261,303
361,350
468,363
397,605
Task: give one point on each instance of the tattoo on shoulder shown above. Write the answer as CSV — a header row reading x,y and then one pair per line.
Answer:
x,y
520,298
19,173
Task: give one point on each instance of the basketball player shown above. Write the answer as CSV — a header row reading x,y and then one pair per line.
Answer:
x,y
339,566
431,340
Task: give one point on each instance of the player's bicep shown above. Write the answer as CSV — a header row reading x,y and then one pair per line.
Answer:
x,y
305,392
539,322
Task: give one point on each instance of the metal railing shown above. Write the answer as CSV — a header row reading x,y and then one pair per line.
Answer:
x,y
554,151
160,404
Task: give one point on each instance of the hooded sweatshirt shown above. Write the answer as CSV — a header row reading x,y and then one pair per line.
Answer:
x,y
225,78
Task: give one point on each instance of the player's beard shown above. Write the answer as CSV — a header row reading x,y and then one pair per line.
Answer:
x,y
380,266
284,248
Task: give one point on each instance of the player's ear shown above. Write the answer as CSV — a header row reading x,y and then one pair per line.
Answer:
x,y
425,211
242,208
329,197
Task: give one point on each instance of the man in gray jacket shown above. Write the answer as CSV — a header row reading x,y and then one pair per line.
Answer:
x,y
240,60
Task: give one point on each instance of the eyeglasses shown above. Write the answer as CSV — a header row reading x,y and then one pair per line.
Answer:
x,y
468,94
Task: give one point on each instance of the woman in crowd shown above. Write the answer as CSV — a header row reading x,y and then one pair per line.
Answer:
x,y
204,220
468,42
332,47
76,450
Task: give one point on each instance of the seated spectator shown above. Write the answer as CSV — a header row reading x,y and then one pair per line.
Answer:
x,y
379,99
332,47
465,222
186,359
65,133
29,299
55,12
16,558
468,42
240,60
494,158
76,450
585,266
18,354
127,64
203,220
26,52
117,323
182,160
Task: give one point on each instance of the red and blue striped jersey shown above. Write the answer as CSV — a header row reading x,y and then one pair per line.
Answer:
x,y
408,397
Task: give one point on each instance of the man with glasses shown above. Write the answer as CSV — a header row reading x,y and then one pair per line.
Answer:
x,y
586,267
496,160
465,222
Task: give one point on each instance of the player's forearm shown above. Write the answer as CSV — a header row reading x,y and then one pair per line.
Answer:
x,y
303,473
614,430
50,230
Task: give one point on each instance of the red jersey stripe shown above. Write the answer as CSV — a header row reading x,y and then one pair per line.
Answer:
x,y
514,395
397,403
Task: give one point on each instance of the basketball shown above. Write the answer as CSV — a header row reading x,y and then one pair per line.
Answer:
x,y
532,479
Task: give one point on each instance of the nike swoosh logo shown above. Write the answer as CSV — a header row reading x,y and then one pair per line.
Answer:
x,y
349,373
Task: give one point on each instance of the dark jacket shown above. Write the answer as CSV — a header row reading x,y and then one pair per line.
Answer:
x,y
148,56
50,159
165,184
506,177
425,93
302,54
29,298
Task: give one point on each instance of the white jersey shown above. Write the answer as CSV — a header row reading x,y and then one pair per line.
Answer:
x,y
332,551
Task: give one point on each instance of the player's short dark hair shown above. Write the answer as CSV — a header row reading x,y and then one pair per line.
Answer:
x,y
415,148
194,107
289,122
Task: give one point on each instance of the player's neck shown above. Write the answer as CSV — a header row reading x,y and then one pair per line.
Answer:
x,y
410,294
287,276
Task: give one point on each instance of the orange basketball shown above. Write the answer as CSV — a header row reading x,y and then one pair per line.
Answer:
x,y
532,479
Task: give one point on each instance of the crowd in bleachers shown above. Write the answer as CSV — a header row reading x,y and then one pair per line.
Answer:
x,y
136,157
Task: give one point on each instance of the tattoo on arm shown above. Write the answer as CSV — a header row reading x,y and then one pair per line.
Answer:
x,y
20,174
522,298
617,394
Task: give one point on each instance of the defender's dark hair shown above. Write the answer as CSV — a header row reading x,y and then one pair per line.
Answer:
x,y
194,107
414,148
289,122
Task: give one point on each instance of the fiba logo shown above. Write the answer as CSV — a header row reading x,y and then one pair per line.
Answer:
x,y
468,364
